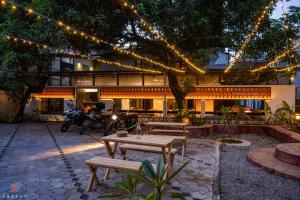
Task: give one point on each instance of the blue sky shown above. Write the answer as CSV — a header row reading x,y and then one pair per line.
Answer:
x,y
278,10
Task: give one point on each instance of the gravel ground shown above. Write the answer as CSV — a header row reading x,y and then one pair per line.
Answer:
x,y
239,179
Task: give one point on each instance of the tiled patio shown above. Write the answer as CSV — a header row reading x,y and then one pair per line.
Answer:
x,y
37,161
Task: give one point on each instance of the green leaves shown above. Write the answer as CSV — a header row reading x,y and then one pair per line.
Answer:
x,y
156,179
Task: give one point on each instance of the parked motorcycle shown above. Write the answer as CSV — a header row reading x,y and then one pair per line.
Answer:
x,y
95,120
121,121
73,116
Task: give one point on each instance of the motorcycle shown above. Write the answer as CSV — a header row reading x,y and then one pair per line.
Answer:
x,y
95,120
121,121
73,116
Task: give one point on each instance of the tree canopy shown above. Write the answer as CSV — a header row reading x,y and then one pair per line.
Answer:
x,y
199,28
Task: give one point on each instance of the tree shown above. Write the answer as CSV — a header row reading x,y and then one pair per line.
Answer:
x,y
23,67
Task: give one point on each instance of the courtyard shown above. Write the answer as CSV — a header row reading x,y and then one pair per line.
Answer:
x,y
37,161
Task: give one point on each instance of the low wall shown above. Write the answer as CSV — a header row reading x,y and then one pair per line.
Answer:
x,y
279,133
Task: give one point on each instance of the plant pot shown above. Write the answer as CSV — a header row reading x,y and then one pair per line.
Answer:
x,y
186,120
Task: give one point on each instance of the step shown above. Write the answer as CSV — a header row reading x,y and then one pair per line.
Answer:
x,y
289,153
265,158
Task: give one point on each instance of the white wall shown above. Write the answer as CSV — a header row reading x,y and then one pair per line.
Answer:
x,y
280,93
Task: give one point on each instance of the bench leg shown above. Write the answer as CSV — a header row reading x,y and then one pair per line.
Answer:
x,y
93,178
183,148
172,158
123,154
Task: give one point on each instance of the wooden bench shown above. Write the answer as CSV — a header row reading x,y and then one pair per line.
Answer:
x,y
169,131
125,147
183,138
122,165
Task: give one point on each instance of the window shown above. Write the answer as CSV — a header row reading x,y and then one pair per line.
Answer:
x,y
190,104
106,80
130,80
52,106
141,104
154,80
65,81
67,64
54,81
83,81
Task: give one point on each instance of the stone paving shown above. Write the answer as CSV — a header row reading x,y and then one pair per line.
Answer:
x,y
37,161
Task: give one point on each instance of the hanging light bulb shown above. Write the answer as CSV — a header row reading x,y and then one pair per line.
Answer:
x,y
292,77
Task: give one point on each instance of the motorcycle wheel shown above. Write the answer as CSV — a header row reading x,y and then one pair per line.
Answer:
x,y
109,126
132,124
83,128
65,126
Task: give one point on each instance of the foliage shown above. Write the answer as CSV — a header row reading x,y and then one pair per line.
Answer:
x,y
268,112
225,112
285,113
241,115
183,113
156,179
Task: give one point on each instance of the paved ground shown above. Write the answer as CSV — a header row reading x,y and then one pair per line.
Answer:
x,y
39,162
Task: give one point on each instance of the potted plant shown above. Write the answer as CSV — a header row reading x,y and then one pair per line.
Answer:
x,y
183,116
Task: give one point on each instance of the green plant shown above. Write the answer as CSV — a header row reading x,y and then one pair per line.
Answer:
x,y
284,113
128,187
157,179
241,115
268,112
183,113
225,112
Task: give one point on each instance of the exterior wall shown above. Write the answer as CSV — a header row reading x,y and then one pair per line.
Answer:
x,y
280,93
6,106
33,104
209,105
125,104
158,104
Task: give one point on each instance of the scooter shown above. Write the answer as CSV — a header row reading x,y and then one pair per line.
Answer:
x,y
73,116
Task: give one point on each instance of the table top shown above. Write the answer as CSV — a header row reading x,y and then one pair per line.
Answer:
x,y
165,124
150,140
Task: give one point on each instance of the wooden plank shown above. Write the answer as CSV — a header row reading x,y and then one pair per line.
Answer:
x,y
149,140
176,124
144,148
114,163
169,131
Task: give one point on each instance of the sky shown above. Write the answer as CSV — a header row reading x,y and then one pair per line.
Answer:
x,y
277,13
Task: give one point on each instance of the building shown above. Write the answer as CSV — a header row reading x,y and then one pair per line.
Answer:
x,y
85,82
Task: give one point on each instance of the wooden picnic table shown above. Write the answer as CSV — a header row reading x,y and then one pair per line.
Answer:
x,y
179,125
181,128
164,142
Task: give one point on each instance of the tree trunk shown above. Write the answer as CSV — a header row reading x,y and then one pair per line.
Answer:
x,y
176,90
21,107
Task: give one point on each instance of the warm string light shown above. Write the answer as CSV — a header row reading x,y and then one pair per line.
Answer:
x,y
64,52
160,37
290,68
25,42
276,59
71,30
250,36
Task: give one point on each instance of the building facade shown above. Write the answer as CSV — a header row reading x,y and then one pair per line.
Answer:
x,y
85,83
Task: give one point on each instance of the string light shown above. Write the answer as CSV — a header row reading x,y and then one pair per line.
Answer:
x,y
250,36
276,59
160,37
70,29
288,68
61,51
